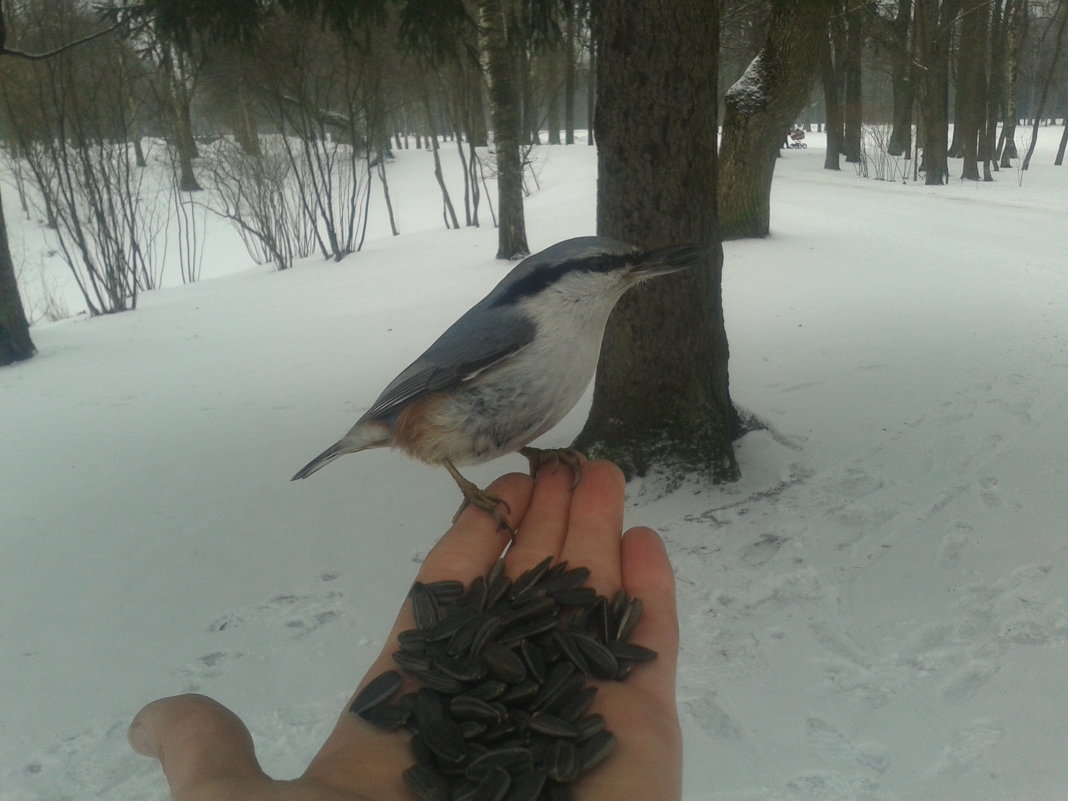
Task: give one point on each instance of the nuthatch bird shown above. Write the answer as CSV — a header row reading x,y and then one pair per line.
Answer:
x,y
512,366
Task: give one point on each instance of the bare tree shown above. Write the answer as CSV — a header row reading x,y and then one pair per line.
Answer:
x,y
15,341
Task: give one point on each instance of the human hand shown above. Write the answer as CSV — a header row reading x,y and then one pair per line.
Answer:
x,y
207,753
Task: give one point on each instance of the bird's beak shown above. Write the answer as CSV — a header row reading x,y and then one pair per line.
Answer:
x,y
666,260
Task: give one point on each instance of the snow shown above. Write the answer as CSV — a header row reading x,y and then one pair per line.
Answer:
x,y
876,610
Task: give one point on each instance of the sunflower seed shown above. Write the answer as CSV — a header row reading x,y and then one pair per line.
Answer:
x,y
521,692
475,597
566,642
577,596
628,618
449,623
493,786
377,691
487,690
460,669
424,609
425,783
388,717
490,628
601,660
596,749
534,658
562,761
460,643
534,608
554,791
531,628
497,588
468,707
412,640
444,738
441,682
571,706
632,652
412,661
565,579
503,663
471,729
445,592
525,586
589,726
513,760
527,786
552,725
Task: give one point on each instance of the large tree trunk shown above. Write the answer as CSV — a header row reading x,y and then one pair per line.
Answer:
x,y
15,342
971,104
504,108
854,103
934,24
661,399
830,53
760,107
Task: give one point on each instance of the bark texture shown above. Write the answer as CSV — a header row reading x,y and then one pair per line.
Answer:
x,y
760,108
15,342
505,111
661,399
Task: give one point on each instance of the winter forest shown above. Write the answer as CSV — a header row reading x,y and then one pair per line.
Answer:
x,y
225,226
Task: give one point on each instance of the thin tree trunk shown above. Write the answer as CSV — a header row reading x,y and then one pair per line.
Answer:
x,y
829,78
1014,39
569,75
661,399
971,105
934,21
504,103
902,74
854,104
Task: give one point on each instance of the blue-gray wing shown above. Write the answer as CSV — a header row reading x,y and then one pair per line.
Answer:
x,y
456,357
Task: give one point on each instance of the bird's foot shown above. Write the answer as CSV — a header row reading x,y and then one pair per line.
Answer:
x,y
480,499
539,456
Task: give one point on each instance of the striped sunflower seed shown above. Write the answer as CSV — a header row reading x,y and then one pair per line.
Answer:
x,y
377,691
425,783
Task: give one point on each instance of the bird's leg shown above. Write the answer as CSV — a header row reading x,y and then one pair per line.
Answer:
x,y
539,456
478,498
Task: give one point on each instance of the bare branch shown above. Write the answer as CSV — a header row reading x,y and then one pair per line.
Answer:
x,y
7,51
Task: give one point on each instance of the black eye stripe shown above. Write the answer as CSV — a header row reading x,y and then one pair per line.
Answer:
x,y
536,281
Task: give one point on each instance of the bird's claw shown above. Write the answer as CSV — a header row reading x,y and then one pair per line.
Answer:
x,y
483,500
569,456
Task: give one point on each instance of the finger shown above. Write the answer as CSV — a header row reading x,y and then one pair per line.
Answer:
x,y
595,523
470,547
205,750
544,526
647,574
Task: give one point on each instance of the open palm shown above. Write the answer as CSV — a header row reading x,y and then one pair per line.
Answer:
x,y
207,754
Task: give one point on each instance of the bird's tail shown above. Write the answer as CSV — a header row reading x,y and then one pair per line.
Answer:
x,y
359,439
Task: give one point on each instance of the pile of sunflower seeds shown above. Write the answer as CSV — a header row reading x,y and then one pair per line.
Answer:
x,y
503,668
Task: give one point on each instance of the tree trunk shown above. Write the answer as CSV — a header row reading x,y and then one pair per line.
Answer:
x,y
504,104
569,75
831,99
1014,41
760,107
661,399
1046,83
999,22
971,104
15,342
934,24
854,104
902,81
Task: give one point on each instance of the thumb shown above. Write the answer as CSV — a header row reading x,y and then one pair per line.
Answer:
x,y
205,750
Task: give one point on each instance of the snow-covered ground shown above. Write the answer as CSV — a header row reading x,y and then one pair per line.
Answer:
x,y
878,609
